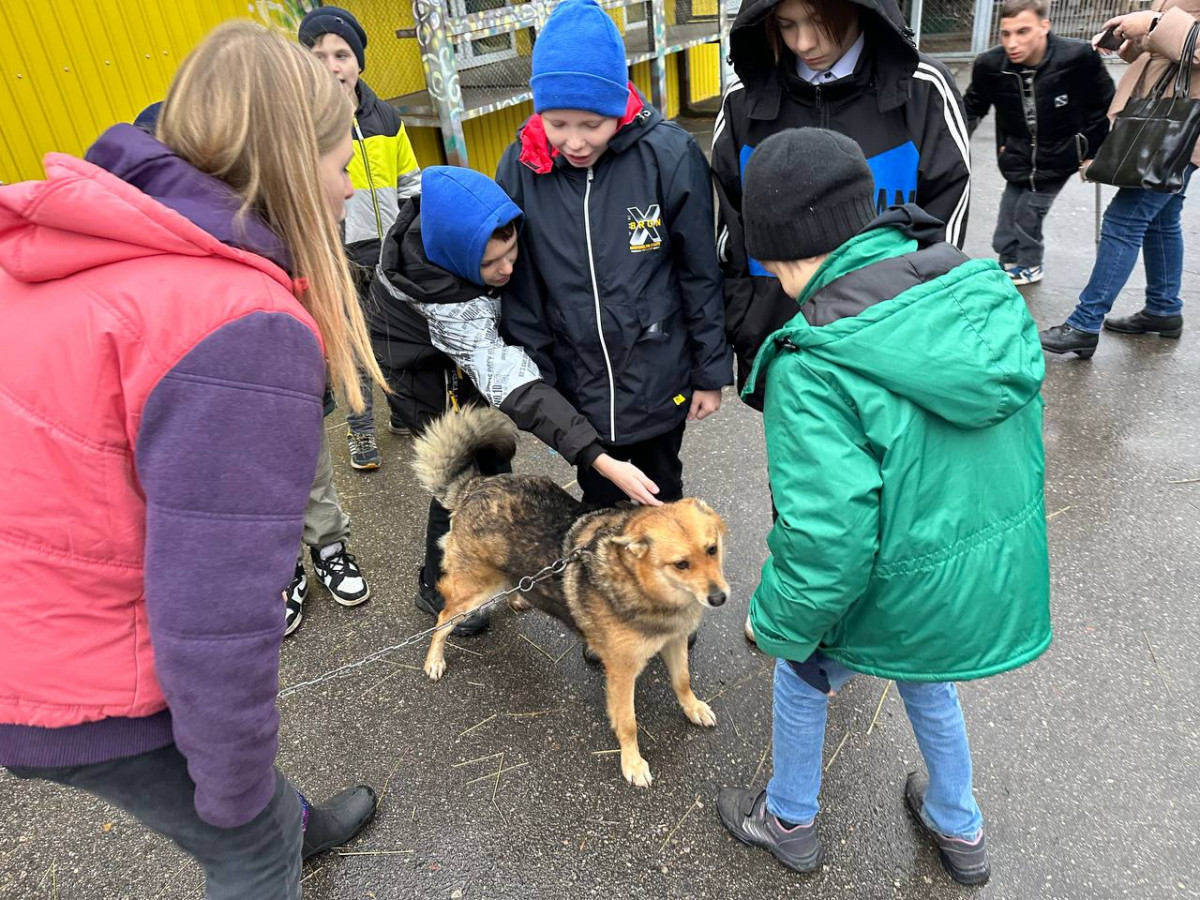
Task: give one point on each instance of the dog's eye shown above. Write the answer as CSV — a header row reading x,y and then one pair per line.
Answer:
x,y
712,551
683,564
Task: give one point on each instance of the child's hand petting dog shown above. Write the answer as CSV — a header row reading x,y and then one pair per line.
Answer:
x,y
629,478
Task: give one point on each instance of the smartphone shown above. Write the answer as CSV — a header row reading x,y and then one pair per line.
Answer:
x,y
1109,40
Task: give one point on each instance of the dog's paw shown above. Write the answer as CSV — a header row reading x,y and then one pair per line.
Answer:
x,y
435,668
636,772
518,603
700,713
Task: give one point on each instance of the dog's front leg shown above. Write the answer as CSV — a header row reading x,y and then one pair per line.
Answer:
x,y
675,655
621,675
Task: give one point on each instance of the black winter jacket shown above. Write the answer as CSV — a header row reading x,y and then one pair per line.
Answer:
x,y
617,290
432,319
901,107
1067,95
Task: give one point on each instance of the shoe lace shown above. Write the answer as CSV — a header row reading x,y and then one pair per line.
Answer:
x,y
364,442
340,563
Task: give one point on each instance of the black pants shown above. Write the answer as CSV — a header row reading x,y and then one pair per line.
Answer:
x,y
427,395
657,457
260,859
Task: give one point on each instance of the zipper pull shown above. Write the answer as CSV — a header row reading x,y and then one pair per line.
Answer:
x,y
589,174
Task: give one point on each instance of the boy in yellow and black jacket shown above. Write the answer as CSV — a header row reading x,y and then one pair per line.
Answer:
x,y
384,171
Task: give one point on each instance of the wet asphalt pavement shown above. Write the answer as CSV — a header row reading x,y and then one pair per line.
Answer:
x,y
1086,760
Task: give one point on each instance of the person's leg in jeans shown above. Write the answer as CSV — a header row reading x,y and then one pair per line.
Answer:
x,y
941,733
364,422
1004,238
260,859
1162,254
659,459
1126,220
798,738
402,403
1029,215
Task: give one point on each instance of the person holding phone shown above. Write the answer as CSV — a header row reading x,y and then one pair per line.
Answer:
x,y
1136,219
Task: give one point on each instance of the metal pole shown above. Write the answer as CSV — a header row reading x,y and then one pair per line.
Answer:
x,y
914,20
981,33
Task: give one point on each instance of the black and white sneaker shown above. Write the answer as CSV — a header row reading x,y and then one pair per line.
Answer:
x,y
294,596
364,452
337,569
395,426
744,813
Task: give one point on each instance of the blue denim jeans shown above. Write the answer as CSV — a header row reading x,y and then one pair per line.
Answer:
x,y
937,721
1136,220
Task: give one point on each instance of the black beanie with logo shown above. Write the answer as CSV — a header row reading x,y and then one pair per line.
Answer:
x,y
806,191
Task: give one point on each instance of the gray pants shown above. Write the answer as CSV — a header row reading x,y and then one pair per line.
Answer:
x,y
1018,237
325,522
260,859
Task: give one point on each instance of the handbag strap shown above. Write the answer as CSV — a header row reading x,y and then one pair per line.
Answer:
x,y
1183,78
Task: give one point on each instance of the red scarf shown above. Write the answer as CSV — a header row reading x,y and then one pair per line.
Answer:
x,y
536,152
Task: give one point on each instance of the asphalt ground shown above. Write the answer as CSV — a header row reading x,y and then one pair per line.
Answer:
x,y
497,781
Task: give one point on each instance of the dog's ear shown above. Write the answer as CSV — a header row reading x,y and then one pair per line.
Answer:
x,y
636,547
708,511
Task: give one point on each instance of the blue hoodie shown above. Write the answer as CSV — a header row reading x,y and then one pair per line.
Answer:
x,y
460,210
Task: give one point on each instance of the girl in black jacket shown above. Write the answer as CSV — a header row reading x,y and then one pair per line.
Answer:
x,y
846,65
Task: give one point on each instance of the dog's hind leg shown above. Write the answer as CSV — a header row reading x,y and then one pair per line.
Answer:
x,y
462,592
675,655
621,673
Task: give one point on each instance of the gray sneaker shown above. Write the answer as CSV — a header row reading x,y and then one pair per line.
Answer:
x,y
964,861
745,814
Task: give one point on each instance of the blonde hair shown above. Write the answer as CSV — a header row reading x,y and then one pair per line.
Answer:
x,y
257,111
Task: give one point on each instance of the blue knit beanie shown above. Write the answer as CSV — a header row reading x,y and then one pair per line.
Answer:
x,y
460,208
579,61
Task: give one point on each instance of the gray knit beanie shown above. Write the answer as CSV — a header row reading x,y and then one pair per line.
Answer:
x,y
806,192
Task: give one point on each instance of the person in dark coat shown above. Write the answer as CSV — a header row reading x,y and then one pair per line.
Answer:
x,y
1051,96
617,292
849,66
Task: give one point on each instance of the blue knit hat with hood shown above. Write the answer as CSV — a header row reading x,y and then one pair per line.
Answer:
x,y
579,61
460,208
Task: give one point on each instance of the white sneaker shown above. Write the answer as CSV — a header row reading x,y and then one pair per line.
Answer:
x,y
748,630
1022,275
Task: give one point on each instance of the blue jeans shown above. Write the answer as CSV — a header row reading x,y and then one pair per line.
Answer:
x,y
937,722
1136,220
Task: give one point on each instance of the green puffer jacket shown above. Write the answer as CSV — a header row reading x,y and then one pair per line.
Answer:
x,y
904,442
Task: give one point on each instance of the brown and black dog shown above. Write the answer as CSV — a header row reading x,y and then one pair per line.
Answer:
x,y
642,582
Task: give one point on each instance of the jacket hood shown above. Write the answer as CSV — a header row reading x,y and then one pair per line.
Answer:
x,y
406,269
130,198
962,346
464,209
888,60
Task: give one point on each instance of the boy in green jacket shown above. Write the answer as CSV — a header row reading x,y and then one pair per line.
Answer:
x,y
904,445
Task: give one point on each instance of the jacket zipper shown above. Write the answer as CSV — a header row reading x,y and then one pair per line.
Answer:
x,y
612,391
362,146
1033,134
824,113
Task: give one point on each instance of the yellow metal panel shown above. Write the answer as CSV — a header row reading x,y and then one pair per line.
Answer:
x,y
705,63
489,136
74,67
393,64
427,146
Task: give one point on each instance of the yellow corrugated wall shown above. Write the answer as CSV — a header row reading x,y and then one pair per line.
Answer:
x,y
71,68
74,67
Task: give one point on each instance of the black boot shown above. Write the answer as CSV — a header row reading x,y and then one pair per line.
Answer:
x,y
1065,339
337,820
1142,322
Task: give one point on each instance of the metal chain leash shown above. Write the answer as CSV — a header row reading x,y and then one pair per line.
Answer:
x,y
524,586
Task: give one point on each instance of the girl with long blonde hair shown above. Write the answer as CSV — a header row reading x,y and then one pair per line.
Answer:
x,y
167,310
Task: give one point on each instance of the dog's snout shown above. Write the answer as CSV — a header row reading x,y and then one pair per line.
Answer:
x,y
716,596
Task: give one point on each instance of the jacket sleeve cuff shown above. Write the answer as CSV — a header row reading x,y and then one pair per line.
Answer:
x,y
589,454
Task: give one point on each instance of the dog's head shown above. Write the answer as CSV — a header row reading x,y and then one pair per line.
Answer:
x,y
678,552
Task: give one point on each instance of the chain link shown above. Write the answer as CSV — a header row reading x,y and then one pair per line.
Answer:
x,y
524,586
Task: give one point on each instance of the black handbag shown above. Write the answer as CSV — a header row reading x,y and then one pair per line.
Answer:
x,y
1153,137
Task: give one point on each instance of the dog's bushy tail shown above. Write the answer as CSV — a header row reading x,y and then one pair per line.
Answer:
x,y
447,450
